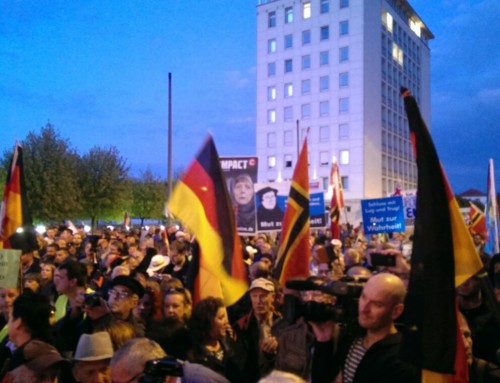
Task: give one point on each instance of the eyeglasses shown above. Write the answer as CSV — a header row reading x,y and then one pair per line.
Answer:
x,y
118,294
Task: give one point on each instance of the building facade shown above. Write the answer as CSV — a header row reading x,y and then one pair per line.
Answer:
x,y
335,68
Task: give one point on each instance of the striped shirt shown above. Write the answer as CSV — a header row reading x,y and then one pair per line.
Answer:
x,y
354,357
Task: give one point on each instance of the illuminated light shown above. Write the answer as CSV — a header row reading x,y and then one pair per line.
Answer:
x,y
306,10
40,229
204,188
416,28
146,227
110,227
86,228
19,230
162,227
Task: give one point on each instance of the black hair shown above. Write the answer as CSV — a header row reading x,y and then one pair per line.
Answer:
x,y
34,310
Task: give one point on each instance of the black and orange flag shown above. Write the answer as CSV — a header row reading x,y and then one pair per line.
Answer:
x,y
443,257
337,201
201,201
16,230
294,252
477,221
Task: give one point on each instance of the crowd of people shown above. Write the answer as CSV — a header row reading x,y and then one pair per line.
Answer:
x,y
116,306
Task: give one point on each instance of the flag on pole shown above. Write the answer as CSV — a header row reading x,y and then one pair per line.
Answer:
x,y
337,202
201,201
477,221
443,257
294,252
16,230
397,189
126,220
492,247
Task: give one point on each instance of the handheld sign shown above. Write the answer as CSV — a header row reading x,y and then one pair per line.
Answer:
x,y
383,215
9,267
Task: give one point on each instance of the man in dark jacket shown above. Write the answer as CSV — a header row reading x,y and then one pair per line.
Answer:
x,y
374,357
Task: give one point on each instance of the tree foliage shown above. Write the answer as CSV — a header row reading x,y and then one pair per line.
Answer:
x,y
103,182
148,197
51,175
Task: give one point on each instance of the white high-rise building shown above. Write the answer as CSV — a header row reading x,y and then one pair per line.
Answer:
x,y
336,67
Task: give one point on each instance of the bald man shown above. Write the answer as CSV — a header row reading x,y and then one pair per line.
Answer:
x,y
374,357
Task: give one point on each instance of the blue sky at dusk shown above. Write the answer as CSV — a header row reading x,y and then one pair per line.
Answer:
x,y
98,70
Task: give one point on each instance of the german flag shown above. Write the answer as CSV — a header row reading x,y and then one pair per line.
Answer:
x,y
16,231
443,257
337,202
201,201
294,251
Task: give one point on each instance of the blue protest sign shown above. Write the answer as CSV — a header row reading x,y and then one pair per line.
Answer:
x,y
383,215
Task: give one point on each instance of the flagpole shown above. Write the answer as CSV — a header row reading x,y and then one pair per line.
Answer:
x,y
298,140
169,220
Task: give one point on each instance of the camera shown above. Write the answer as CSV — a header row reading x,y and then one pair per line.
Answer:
x,y
92,299
156,370
379,259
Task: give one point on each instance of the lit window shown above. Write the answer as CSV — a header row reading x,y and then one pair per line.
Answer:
x,y
271,19
324,58
288,113
306,10
305,111
288,65
306,37
271,45
343,54
343,131
271,93
324,133
288,89
387,20
306,62
324,158
324,33
343,105
271,69
288,138
306,86
288,161
415,27
344,28
344,3
344,157
271,162
324,83
397,54
345,182
288,41
271,116
324,108
324,6
343,79
271,140
288,15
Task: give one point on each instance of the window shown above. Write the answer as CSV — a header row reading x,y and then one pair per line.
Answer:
x,y
345,182
324,108
306,86
324,158
288,41
344,4
271,93
324,83
288,161
288,90
306,37
343,131
287,138
271,116
387,20
324,32
306,10
288,15
305,111
271,46
271,162
343,54
306,62
288,113
397,54
271,140
288,65
324,58
343,79
344,28
324,133
343,105
271,69
271,19
344,157
324,6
